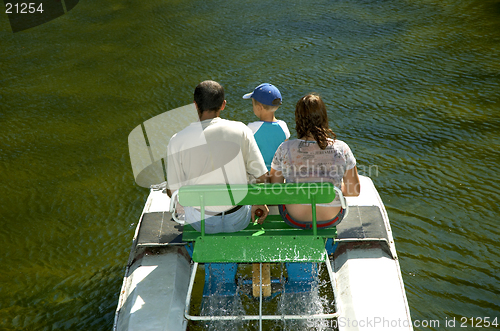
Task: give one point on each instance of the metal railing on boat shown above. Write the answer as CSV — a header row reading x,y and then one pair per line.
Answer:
x,y
281,244
259,317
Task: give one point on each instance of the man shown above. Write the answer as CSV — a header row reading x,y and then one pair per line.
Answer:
x,y
215,151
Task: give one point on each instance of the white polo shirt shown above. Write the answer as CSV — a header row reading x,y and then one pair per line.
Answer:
x,y
214,151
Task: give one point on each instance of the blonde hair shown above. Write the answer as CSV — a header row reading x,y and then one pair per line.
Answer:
x,y
267,107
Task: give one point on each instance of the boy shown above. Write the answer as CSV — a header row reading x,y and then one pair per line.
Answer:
x,y
268,132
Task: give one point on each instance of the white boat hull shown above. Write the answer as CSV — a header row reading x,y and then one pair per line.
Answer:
x,y
369,289
370,292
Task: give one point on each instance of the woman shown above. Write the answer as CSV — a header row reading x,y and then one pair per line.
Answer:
x,y
315,157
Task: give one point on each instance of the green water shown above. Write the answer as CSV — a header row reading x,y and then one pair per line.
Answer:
x,y
412,86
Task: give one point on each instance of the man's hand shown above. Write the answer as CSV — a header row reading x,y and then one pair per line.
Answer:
x,y
265,212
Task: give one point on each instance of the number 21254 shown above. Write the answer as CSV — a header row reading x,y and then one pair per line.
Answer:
x,y
22,8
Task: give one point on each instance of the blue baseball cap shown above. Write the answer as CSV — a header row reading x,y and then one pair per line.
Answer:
x,y
265,93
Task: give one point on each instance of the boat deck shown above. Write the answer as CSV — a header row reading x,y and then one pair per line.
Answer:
x,y
159,229
362,223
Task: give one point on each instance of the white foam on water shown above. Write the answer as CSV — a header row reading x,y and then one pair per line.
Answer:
x,y
319,300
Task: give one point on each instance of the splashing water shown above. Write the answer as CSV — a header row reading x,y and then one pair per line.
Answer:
x,y
285,300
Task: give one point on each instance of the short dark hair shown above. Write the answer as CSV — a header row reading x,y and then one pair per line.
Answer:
x,y
209,95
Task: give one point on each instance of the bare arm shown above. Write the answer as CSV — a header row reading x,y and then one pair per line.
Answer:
x,y
276,176
273,178
350,185
262,179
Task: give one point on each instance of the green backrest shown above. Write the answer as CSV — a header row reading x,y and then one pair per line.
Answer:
x,y
259,194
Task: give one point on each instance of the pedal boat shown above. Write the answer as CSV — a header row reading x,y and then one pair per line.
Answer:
x,y
359,254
